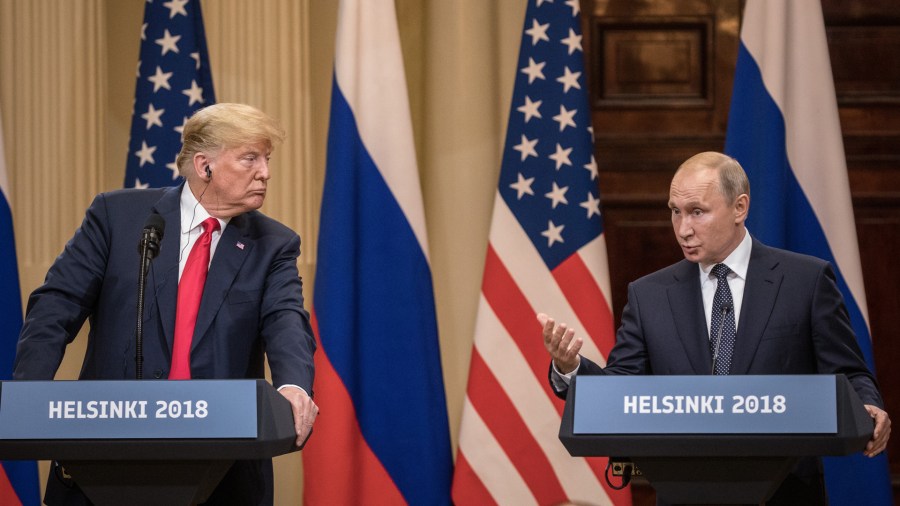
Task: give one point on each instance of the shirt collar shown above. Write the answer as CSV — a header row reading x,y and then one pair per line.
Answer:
x,y
738,261
193,213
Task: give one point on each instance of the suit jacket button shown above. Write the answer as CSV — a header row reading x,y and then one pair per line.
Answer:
x,y
158,373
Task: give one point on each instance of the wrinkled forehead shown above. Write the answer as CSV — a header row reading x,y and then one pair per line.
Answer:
x,y
694,183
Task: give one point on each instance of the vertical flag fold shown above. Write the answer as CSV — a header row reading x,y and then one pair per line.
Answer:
x,y
379,383
18,479
173,81
784,129
547,253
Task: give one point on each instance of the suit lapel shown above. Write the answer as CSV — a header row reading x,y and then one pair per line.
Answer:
x,y
233,248
686,303
165,267
760,291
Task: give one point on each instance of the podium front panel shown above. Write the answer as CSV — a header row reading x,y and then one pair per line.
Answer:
x,y
705,405
197,409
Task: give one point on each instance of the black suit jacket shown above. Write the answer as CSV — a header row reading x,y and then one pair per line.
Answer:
x,y
252,304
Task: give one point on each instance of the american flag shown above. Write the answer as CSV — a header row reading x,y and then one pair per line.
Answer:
x,y
173,81
547,253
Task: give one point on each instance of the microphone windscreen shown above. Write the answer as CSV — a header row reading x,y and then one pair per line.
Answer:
x,y
156,222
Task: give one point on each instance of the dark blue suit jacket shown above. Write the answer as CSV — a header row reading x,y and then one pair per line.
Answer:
x,y
252,306
793,321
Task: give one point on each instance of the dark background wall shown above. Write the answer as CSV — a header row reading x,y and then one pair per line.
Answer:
x,y
661,75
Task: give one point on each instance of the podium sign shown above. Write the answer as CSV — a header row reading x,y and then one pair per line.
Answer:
x,y
127,410
746,440
144,443
705,405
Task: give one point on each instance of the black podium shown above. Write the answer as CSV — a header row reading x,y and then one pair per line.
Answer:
x,y
739,467
153,470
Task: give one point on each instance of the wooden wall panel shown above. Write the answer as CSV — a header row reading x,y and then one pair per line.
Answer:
x,y
661,75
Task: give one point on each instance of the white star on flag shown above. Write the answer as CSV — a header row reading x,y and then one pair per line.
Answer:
x,y
553,233
526,147
194,93
564,118
146,153
592,204
561,157
174,168
180,128
592,168
569,80
573,41
530,109
168,42
534,70
538,32
557,195
153,116
176,7
160,79
523,186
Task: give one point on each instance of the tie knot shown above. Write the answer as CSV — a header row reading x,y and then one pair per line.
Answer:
x,y
210,225
720,271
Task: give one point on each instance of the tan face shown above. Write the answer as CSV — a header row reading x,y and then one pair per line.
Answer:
x,y
707,227
239,179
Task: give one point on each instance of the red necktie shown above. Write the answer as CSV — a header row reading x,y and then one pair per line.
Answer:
x,y
190,289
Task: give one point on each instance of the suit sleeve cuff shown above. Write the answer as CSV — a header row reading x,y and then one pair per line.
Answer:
x,y
293,386
559,380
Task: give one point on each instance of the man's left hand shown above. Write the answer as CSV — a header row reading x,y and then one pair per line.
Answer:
x,y
304,409
882,432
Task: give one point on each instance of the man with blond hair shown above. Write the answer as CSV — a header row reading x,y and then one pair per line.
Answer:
x,y
213,314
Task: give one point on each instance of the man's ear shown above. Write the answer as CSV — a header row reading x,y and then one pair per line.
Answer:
x,y
741,207
201,162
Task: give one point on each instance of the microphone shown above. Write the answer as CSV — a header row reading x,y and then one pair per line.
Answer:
x,y
725,310
148,248
154,228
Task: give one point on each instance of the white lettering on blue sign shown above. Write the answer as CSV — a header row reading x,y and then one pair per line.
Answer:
x,y
97,409
675,404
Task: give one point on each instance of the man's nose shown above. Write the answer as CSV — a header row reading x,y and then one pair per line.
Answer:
x,y
684,228
263,172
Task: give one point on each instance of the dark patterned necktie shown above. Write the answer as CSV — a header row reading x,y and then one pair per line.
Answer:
x,y
722,317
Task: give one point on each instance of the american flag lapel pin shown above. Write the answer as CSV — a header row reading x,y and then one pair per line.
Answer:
x,y
240,245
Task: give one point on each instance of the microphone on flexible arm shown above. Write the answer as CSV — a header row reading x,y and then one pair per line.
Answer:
x,y
725,309
148,248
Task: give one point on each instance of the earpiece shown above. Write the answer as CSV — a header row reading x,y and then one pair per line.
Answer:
x,y
208,173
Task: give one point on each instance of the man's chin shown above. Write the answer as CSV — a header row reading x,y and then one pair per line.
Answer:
x,y
255,202
692,256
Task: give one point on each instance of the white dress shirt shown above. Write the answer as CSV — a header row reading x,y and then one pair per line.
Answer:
x,y
192,216
738,261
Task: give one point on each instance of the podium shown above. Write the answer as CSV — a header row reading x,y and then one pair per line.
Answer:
x,y
144,442
714,439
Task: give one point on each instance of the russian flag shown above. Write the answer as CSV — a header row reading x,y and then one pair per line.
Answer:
x,y
382,435
18,479
784,130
